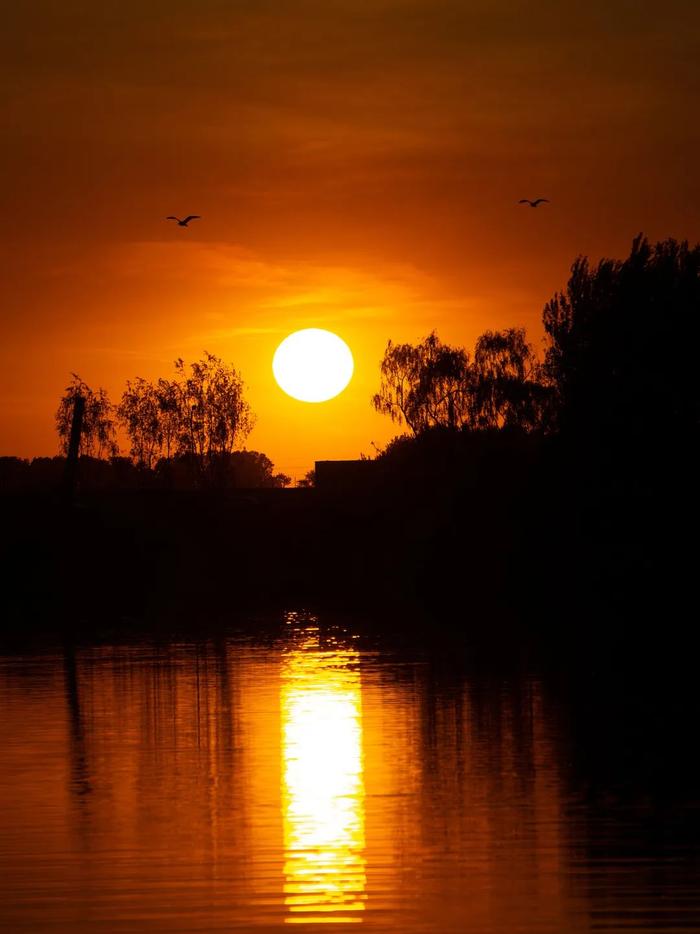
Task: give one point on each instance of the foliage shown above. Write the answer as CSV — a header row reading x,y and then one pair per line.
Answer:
x,y
235,470
308,480
623,339
251,469
140,413
424,385
507,383
431,385
182,432
238,470
621,359
213,415
202,413
168,396
98,436
14,473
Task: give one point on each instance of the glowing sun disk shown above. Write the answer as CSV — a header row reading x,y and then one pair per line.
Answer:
x,y
312,365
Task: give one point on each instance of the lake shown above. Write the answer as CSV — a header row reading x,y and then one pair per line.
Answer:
x,y
314,774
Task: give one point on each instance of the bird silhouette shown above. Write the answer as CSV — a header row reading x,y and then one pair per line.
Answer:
x,y
533,204
185,220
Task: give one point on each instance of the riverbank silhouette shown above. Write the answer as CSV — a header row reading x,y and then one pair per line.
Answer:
x,y
560,494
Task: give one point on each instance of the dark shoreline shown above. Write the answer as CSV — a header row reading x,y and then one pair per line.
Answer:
x,y
442,556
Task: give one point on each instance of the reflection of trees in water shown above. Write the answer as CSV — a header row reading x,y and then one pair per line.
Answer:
x,y
378,773
363,783
474,799
80,783
152,737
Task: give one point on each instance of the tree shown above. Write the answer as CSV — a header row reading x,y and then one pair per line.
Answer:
x,y
168,396
213,415
308,481
14,474
98,436
623,339
237,470
140,413
433,385
424,385
507,383
253,469
201,415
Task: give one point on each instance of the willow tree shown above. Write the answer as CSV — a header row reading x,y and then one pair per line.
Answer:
x,y
431,384
201,414
98,435
424,385
140,413
507,385
213,414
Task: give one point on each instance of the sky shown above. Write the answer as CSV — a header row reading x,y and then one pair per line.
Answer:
x,y
357,166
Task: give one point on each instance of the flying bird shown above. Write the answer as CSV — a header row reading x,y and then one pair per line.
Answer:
x,y
533,204
185,220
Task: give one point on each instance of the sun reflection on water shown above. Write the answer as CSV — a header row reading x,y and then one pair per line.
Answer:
x,y
322,783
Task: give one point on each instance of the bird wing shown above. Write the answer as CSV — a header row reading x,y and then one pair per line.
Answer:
x,y
524,201
171,218
191,217
541,201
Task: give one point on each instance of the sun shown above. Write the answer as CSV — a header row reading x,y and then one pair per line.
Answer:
x,y
313,365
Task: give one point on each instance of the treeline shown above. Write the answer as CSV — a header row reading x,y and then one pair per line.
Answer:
x,y
183,432
616,392
620,361
433,385
579,470
236,470
560,489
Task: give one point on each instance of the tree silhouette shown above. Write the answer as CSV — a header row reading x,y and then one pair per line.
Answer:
x,y
308,481
168,396
433,385
623,343
213,415
140,413
507,384
201,414
424,385
254,469
235,470
98,436
622,351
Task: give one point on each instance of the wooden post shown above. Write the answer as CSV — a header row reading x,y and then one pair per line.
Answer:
x,y
74,445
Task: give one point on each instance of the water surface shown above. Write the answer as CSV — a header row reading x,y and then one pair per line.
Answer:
x,y
236,784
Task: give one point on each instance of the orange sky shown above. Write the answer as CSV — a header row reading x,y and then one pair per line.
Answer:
x,y
356,164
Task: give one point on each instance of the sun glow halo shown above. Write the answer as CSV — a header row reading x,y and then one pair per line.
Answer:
x,y
312,365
